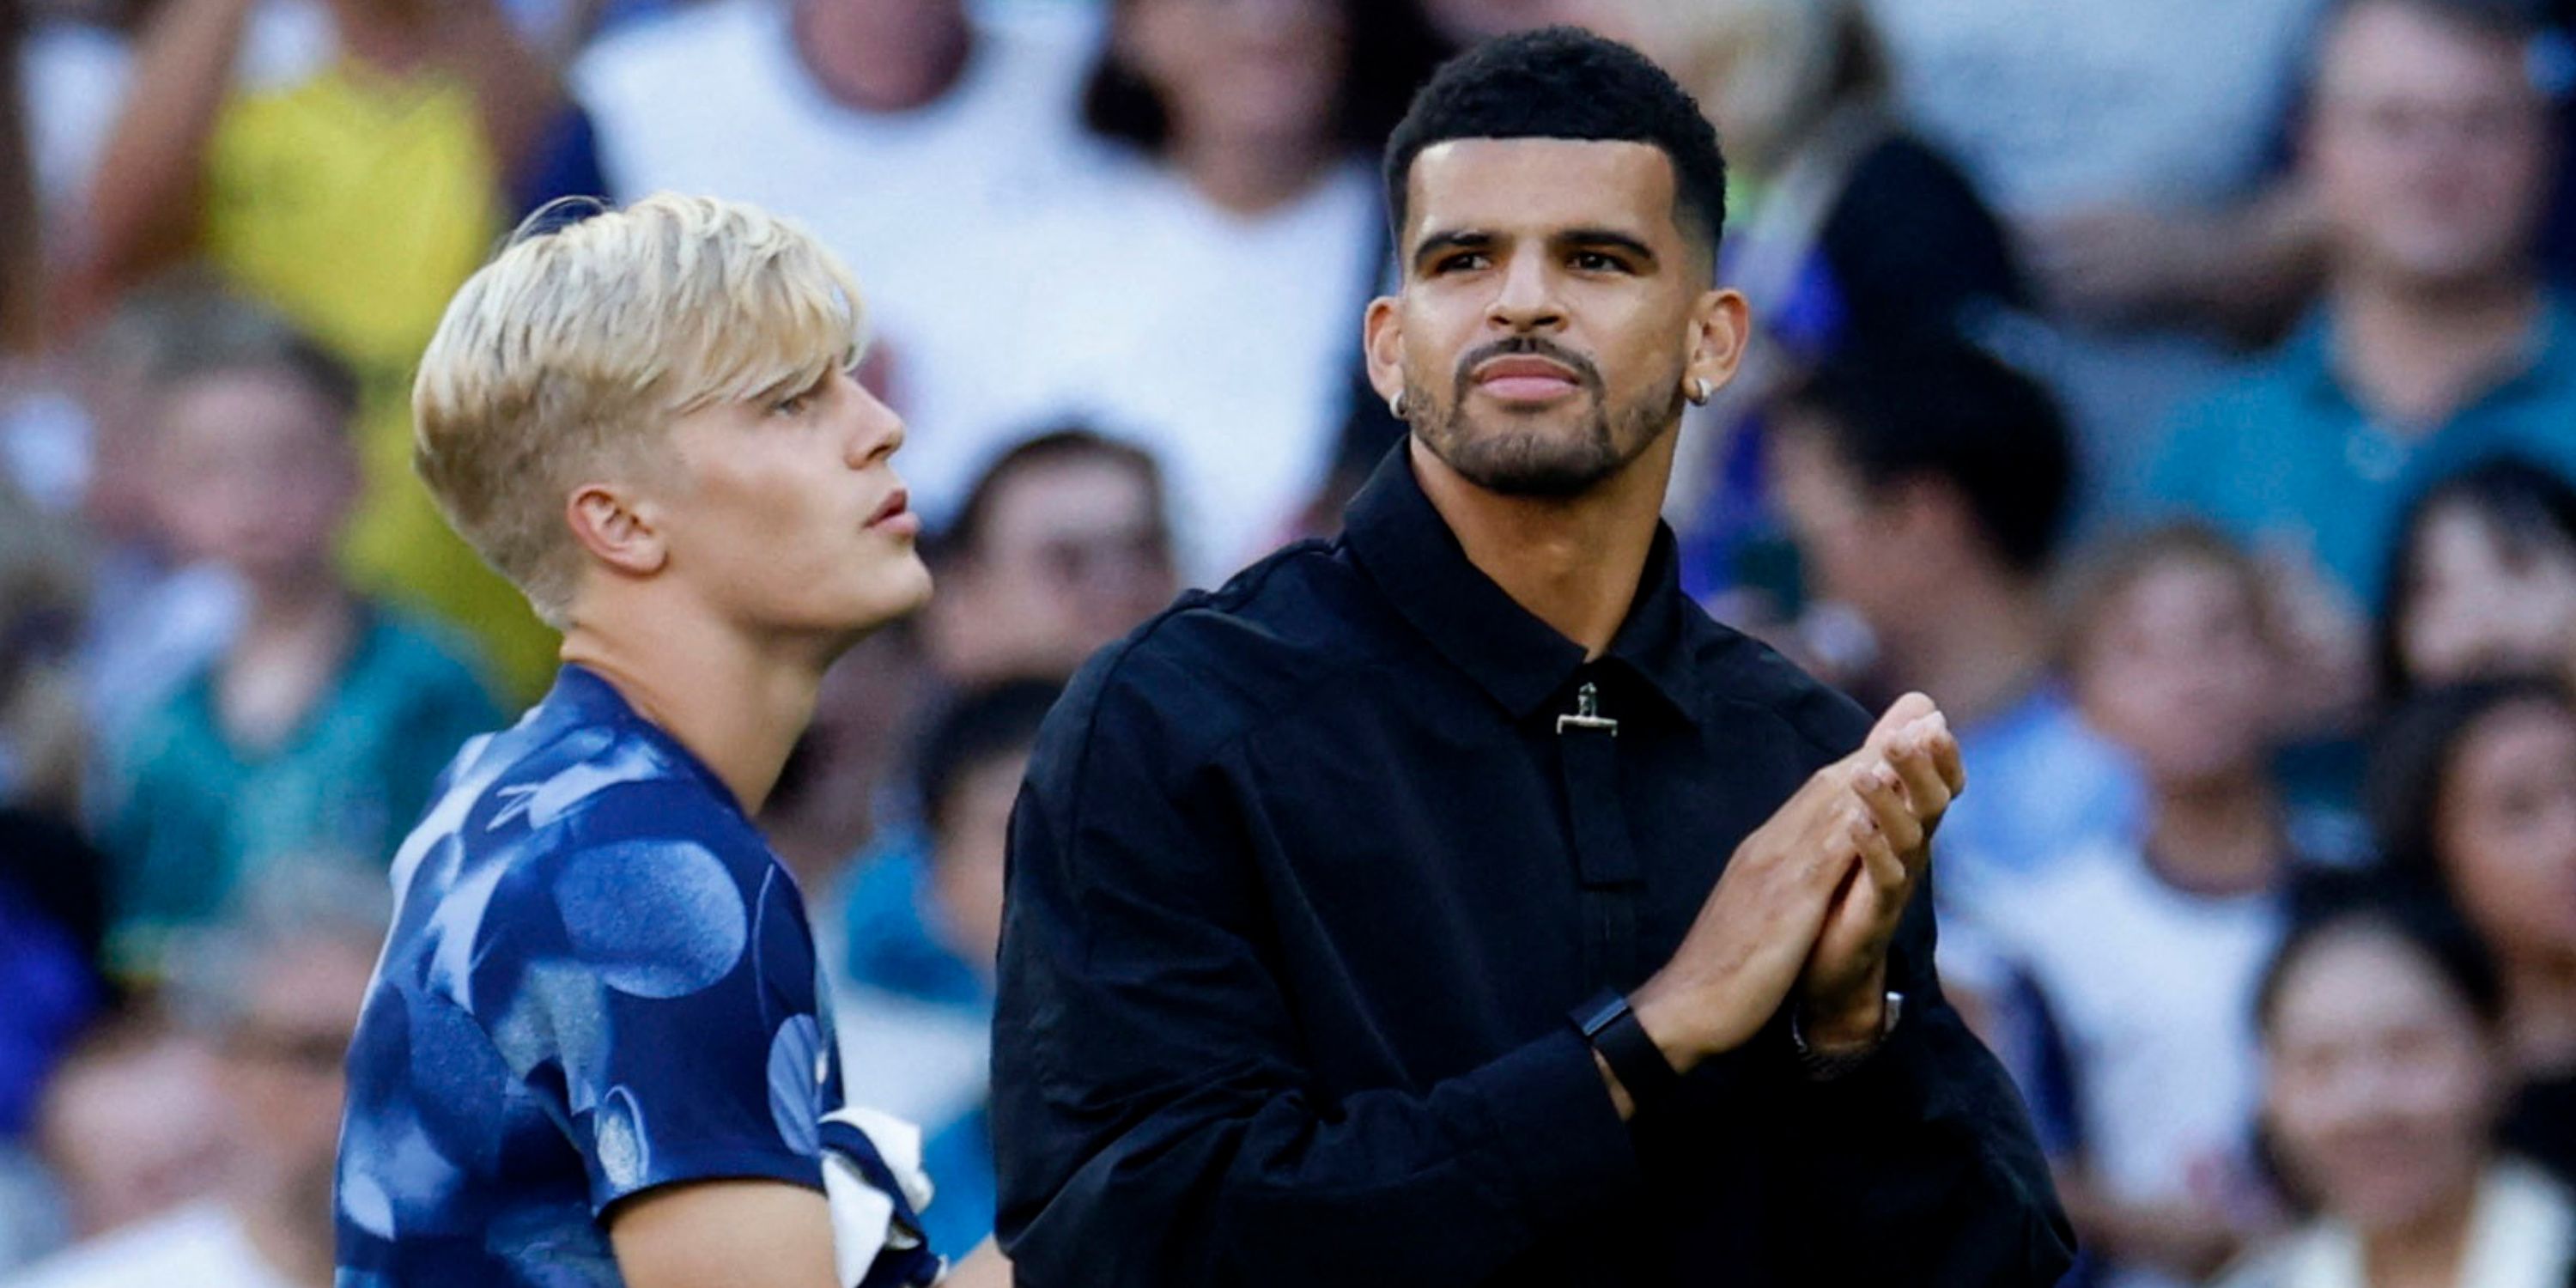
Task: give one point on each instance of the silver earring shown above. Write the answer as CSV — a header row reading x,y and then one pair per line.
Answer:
x,y
1701,391
1396,404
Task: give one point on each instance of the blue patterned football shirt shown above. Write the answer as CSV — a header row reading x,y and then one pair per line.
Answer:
x,y
599,981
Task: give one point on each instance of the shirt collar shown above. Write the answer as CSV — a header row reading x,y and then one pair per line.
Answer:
x,y
2549,351
1402,544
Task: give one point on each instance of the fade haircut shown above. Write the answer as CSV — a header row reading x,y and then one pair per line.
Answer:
x,y
579,344
1567,83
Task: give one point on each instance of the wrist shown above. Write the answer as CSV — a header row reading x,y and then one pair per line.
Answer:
x,y
1846,1018
1677,1024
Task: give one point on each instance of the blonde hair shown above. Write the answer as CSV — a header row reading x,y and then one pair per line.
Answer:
x,y
580,343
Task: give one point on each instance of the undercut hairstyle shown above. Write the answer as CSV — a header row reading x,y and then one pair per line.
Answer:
x,y
2415,755
2527,508
575,349
978,727
1940,408
965,534
1566,83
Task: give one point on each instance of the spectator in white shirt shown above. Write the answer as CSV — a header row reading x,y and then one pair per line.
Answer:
x,y
2142,951
1207,300
917,139
2383,1048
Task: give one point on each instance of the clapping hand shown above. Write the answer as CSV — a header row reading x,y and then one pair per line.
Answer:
x,y
1841,992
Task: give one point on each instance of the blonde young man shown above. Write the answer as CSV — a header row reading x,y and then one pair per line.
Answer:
x,y
593,1053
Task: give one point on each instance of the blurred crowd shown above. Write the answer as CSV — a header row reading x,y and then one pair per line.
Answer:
x,y
2182,392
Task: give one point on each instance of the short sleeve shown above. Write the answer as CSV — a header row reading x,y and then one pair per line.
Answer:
x,y
662,984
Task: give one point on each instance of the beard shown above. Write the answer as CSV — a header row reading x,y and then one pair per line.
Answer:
x,y
1537,461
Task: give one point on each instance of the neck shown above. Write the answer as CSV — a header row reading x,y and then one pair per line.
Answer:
x,y
311,603
736,703
385,41
877,64
1574,562
2426,1252
1249,175
2416,353
279,1222
2218,835
2540,1011
1980,653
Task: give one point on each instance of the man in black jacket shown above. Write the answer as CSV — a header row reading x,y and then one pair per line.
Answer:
x,y
1455,903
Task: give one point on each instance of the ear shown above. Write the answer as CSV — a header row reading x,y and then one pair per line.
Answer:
x,y
1930,514
618,528
1382,339
1721,324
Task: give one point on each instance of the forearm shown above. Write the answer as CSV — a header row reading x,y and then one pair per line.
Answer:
x,y
517,92
1926,1145
1242,1185
144,203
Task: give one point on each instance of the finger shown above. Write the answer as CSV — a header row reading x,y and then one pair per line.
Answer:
x,y
1883,791
1946,758
1900,713
1837,857
1882,863
1913,760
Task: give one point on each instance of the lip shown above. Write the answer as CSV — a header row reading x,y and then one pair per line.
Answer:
x,y
1524,378
895,514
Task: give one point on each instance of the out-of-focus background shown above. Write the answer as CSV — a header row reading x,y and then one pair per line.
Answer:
x,y
2183,392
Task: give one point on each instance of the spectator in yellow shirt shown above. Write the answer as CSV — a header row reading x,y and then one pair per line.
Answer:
x,y
354,197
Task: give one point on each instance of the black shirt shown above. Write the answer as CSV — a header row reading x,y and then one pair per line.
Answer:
x,y
1303,882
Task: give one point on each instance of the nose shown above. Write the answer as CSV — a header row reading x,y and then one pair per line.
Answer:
x,y
875,432
1525,300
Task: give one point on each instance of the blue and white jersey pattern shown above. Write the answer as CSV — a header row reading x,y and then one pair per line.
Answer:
x,y
599,981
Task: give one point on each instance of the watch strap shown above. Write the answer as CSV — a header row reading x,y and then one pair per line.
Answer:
x,y
1607,1022
1821,1066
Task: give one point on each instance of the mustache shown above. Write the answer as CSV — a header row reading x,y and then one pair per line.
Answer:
x,y
1529,346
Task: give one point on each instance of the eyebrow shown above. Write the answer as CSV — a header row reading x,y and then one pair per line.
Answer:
x,y
1609,239
1433,245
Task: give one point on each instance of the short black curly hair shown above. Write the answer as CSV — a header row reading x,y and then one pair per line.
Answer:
x,y
1566,83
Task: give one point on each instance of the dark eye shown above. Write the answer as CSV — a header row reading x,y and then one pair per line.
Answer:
x,y
1463,261
1593,261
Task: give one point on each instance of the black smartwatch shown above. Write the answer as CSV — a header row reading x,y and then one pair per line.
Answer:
x,y
1613,1030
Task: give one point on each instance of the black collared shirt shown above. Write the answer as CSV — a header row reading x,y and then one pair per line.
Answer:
x,y
1303,882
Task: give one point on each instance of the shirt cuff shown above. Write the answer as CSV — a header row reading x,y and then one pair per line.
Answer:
x,y
716,1163
1560,1138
